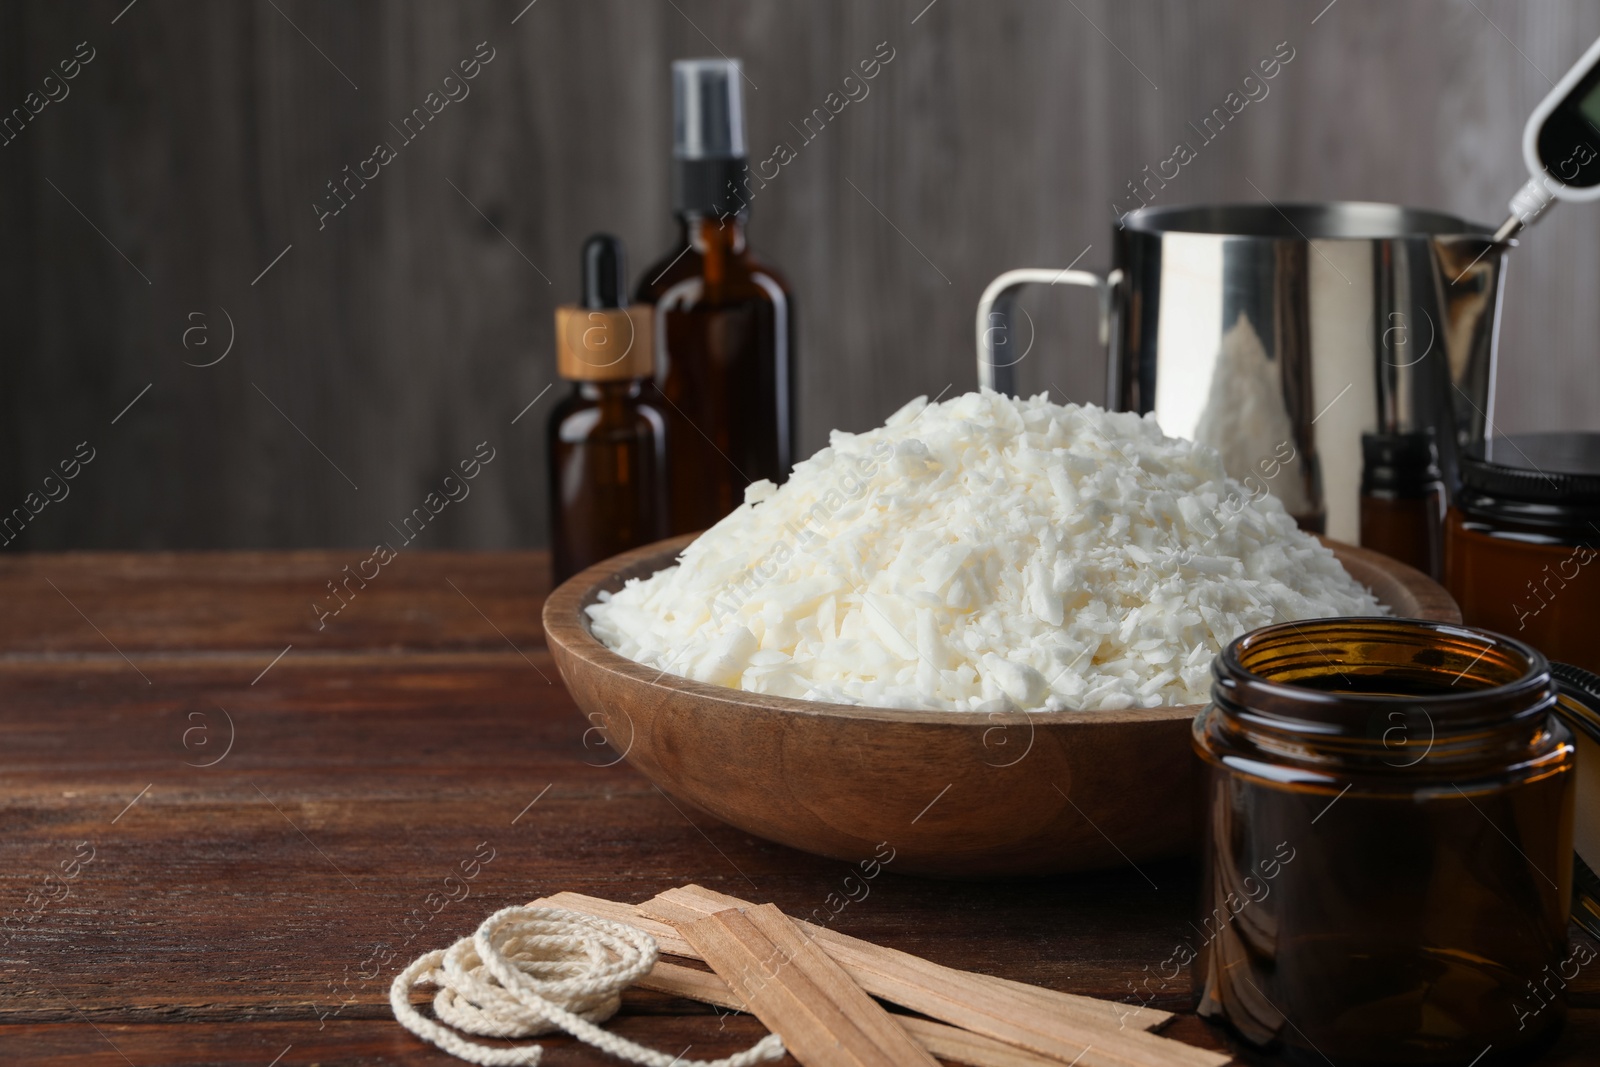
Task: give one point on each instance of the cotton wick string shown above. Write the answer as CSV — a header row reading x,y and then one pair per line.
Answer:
x,y
531,971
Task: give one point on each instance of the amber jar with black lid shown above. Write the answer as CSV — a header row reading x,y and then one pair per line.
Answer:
x,y
1521,538
1389,843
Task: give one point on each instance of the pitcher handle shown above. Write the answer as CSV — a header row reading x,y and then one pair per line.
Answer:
x,y
994,320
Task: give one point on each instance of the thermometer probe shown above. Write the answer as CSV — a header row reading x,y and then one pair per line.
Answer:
x,y
1561,146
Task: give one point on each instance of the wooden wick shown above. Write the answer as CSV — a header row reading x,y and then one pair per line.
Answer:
x,y
996,1022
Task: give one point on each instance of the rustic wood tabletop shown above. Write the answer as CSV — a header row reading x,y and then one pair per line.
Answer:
x,y
227,821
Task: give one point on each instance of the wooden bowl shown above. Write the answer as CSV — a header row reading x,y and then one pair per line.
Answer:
x,y
955,794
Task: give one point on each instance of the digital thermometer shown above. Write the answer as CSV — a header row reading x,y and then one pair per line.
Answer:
x,y
1561,145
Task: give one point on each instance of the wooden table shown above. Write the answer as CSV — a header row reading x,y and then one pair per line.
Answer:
x,y
273,808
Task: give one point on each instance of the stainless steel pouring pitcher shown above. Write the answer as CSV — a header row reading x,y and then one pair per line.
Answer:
x,y
1279,334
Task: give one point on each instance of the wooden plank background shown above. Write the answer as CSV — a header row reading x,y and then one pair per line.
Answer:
x,y
382,348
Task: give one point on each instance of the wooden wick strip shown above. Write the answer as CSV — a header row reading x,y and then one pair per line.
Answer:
x,y
1068,1028
666,935
1100,1044
686,982
692,901
801,995
963,1046
946,1042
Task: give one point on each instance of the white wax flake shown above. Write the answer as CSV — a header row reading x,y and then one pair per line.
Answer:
x,y
984,554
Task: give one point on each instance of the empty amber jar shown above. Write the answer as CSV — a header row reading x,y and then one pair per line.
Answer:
x,y
1388,865
1521,540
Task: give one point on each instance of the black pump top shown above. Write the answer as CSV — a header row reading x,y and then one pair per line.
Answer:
x,y
707,109
605,272
1398,464
708,143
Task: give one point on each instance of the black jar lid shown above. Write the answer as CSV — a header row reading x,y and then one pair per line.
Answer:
x,y
1549,468
1543,479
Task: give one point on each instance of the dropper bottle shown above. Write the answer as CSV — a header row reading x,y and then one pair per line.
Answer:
x,y
607,442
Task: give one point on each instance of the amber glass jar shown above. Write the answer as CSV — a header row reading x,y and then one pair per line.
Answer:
x,y
1389,822
1521,539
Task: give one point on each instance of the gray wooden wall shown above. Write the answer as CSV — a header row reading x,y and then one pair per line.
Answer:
x,y
381,348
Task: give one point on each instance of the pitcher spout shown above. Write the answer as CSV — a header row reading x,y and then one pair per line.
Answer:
x,y
1470,273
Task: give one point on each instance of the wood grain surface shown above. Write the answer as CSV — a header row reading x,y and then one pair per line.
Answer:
x,y
417,322
262,905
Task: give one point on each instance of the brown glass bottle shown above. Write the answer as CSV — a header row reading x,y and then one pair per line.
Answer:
x,y
1403,499
1388,864
606,444
726,372
725,322
606,440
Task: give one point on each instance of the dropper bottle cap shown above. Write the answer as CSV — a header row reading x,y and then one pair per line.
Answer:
x,y
708,136
599,339
605,272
